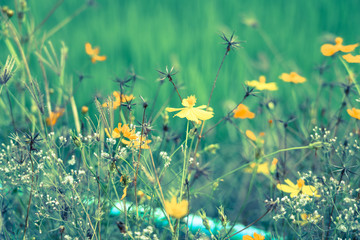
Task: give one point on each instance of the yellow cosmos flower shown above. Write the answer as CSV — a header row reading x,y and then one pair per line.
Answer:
x,y
355,113
190,112
94,53
351,59
120,98
331,49
300,187
292,77
262,85
256,237
243,112
54,116
175,209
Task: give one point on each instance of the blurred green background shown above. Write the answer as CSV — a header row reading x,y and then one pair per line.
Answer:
x,y
150,35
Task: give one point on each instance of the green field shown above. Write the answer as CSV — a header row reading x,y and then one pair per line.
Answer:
x,y
145,37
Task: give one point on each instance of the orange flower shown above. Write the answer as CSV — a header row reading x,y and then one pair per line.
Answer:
x,y
256,237
351,58
331,49
175,209
243,112
123,131
119,98
54,116
94,53
292,77
262,85
355,113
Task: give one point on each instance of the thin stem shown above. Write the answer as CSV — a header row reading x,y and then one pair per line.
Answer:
x,y
10,106
31,190
212,90
269,210
160,189
138,163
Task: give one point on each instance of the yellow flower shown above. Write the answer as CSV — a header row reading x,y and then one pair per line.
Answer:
x,y
190,112
176,210
292,77
351,59
135,143
331,49
123,131
262,85
256,237
253,137
308,218
54,116
119,98
243,112
263,168
94,53
84,109
355,113
300,187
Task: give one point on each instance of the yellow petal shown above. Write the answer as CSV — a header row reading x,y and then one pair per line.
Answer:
x,y
250,135
328,49
247,237
310,190
348,48
124,193
355,113
88,49
352,59
202,114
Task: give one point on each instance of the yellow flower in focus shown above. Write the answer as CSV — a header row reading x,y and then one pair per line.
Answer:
x,y
256,237
330,49
190,112
175,209
94,53
54,116
119,98
351,58
355,113
292,77
300,187
262,85
243,112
